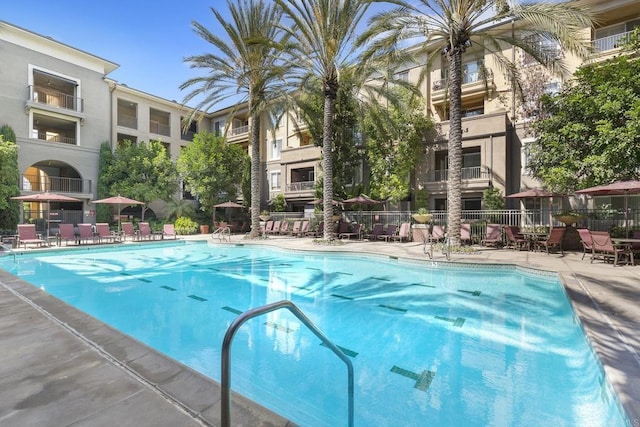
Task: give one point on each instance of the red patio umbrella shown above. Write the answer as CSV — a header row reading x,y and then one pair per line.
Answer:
x,y
533,193
48,198
119,200
228,204
618,188
362,200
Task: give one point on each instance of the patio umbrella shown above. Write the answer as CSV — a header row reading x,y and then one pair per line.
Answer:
x,y
537,194
362,200
618,188
118,200
228,204
48,198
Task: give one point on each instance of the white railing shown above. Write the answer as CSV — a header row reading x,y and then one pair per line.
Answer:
x,y
240,130
44,95
612,42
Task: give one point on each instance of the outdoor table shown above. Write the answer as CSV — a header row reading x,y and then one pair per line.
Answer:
x,y
533,238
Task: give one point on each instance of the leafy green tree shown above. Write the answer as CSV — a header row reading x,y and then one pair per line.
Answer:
x,y
141,171
9,178
447,28
104,212
177,207
396,136
248,65
212,169
493,199
323,36
590,134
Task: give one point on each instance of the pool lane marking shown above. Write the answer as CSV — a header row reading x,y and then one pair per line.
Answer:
x,y
391,307
384,279
232,310
169,288
423,380
197,298
423,285
342,296
278,327
346,351
474,293
456,322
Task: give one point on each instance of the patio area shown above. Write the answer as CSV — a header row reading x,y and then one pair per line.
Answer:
x,y
81,371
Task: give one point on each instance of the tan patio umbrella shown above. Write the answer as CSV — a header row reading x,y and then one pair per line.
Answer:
x,y
618,188
228,204
118,201
48,198
361,200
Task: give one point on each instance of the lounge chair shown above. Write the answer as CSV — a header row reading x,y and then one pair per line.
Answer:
x,y
585,239
404,232
554,239
493,236
319,232
268,226
275,229
377,230
296,228
128,231
354,232
103,233
27,236
515,240
66,232
284,228
86,234
602,247
169,232
343,228
144,231
465,233
437,233
389,233
304,229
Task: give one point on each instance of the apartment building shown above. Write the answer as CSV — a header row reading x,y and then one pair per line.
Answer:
x,y
62,105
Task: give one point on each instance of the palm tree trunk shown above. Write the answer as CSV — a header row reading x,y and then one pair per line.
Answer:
x,y
454,190
327,162
255,177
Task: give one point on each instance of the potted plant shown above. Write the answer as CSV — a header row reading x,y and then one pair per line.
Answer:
x,y
568,218
422,216
265,215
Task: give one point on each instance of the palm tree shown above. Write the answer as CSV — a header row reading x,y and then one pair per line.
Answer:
x,y
247,64
447,28
324,35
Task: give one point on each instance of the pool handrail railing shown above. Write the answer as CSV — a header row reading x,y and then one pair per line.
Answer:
x,y
225,377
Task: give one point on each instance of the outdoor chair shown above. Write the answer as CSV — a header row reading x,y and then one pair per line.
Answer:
x,y
515,240
635,246
86,234
375,232
554,239
354,232
27,236
389,233
66,232
284,228
585,239
304,229
268,227
602,247
343,228
437,233
128,231
319,232
295,230
275,229
169,232
493,235
144,231
404,232
103,233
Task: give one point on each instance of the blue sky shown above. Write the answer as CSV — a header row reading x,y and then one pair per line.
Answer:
x,y
148,39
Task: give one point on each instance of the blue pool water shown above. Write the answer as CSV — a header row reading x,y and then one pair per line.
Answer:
x,y
430,346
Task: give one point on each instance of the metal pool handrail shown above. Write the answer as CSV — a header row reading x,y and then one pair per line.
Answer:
x,y
225,411
7,250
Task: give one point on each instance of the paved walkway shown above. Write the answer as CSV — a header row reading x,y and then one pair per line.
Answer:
x,y
60,367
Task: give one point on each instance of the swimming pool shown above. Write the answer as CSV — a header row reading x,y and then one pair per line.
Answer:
x,y
430,346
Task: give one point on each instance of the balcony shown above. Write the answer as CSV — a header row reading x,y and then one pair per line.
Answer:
x,y
473,85
55,184
301,186
611,42
59,100
239,130
127,121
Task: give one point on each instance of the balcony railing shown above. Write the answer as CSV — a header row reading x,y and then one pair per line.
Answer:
x,y
475,172
56,184
45,136
127,121
239,130
467,78
187,136
44,95
301,186
159,128
611,42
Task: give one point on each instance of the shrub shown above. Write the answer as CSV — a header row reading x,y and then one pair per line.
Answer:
x,y
184,225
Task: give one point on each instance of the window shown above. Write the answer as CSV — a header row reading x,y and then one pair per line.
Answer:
x,y
525,156
471,204
471,72
275,181
402,76
276,147
218,127
552,88
544,46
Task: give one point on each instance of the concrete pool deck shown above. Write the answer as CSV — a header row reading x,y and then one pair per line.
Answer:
x,y
60,367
